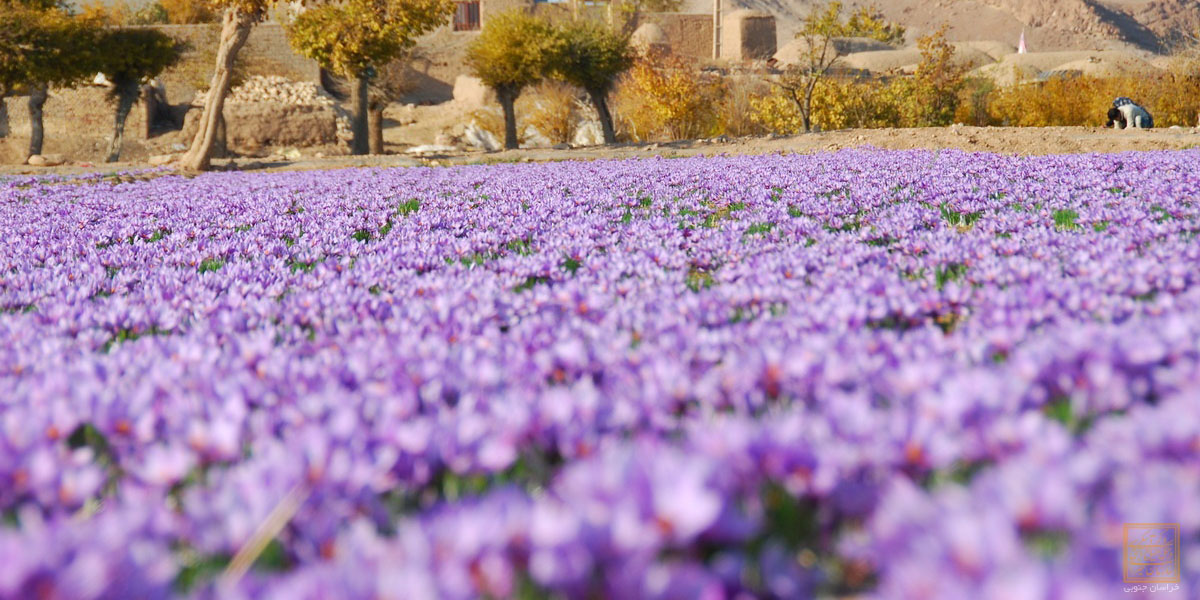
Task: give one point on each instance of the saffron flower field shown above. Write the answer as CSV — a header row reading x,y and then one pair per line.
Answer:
x,y
860,374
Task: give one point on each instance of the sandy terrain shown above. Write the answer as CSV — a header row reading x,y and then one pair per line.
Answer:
x,y
1011,140
1048,24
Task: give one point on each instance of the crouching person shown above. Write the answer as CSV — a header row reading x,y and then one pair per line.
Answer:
x,y
1127,113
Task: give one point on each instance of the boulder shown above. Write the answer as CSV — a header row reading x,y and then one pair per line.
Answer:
x,y
470,91
477,137
46,160
649,36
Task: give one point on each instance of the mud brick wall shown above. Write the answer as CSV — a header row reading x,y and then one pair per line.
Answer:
x,y
266,53
690,35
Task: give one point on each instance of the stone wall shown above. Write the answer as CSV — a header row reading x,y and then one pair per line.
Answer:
x,y
78,123
438,59
689,35
266,53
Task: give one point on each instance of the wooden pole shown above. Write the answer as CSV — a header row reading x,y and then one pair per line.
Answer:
x,y
716,29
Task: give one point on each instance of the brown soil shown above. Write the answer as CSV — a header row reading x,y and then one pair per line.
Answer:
x,y
1003,140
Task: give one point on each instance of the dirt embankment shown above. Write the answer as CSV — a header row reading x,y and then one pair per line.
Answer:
x,y
1002,140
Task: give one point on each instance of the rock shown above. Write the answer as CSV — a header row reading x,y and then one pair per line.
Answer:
x,y
443,139
431,149
46,160
561,146
650,37
319,155
477,137
292,154
471,92
588,133
159,160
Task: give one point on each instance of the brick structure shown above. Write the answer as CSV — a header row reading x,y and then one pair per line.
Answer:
x,y
689,35
747,35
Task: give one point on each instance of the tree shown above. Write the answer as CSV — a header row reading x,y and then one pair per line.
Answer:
x,y
237,19
591,57
513,51
820,27
114,14
40,45
930,97
186,12
127,57
390,82
357,39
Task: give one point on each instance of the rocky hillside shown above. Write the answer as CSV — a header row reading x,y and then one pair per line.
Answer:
x,y
1153,25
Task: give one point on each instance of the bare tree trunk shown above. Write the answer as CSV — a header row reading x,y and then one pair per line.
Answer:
x,y
508,102
149,109
600,100
806,109
127,95
221,142
235,28
359,144
37,130
375,123
3,115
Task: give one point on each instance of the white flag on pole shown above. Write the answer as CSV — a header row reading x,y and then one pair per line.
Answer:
x,y
1021,45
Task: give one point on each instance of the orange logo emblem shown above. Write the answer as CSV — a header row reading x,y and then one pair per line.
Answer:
x,y
1151,553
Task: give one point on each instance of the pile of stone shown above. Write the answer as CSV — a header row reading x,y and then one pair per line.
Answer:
x,y
281,90
274,88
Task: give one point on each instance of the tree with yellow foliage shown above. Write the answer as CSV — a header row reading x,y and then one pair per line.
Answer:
x,y
821,26
237,18
357,38
514,50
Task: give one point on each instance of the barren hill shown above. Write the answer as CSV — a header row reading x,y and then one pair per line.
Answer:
x,y
1154,25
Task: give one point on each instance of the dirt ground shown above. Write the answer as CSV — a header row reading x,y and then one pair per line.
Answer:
x,y
1003,140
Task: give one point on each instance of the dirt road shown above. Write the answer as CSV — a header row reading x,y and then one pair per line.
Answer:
x,y
1004,140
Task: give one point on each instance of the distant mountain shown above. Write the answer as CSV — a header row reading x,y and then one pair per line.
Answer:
x,y
1152,25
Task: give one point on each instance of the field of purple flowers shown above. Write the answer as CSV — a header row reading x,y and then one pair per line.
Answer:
x,y
903,374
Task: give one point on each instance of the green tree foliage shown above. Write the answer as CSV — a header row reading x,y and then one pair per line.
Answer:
x,y
592,57
821,26
513,51
41,45
127,57
357,38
